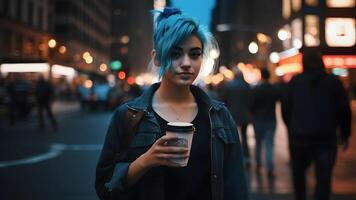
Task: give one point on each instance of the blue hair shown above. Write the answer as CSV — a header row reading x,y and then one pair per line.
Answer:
x,y
171,29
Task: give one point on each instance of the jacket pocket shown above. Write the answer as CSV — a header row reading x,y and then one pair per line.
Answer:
x,y
226,135
143,140
139,145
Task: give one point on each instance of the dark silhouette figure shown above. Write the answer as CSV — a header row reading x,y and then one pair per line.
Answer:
x,y
44,96
315,107
264,119
18,90
238,97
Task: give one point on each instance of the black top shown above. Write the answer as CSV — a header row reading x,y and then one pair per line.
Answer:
x,y
193,181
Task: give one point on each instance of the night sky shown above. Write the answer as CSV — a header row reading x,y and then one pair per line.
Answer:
x,y
200,9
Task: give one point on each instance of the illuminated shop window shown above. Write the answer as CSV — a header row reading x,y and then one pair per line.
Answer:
x,y
340,3
297,34
285,34
296,5
311,2
340,32
286,9
311,35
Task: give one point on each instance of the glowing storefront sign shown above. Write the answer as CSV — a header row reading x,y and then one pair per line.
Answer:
x,y
311,35
296,5
340,32
63,70
286,9
311,2
340,3
297,34
24,67
293,64
341,61
289,63
340,72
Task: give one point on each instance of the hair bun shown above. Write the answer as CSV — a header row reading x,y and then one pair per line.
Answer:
x,y
169,11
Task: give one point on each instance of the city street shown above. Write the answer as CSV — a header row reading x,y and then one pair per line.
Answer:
x,y
89,56
61,165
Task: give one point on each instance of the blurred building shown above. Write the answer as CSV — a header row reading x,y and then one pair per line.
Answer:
x,y
132,34
73,34
245,32
82,30
25,29
327,25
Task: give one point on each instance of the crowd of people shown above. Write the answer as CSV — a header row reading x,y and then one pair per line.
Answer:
x,y
315,110
21,95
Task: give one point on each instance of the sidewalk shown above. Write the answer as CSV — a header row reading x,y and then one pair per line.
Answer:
x,y
59,109
344,176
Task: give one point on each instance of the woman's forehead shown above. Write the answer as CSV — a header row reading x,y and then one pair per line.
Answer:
x,y
191,42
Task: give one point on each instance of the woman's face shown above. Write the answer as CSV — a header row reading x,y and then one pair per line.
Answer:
x,y
186,61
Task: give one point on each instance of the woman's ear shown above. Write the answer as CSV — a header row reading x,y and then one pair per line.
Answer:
x,y
154,58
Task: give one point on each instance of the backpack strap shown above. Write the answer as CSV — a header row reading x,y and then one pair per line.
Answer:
x,y
131,120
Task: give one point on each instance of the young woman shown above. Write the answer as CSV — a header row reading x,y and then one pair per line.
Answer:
x,y
143,170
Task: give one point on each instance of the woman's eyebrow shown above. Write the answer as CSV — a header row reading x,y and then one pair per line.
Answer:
x,y
178,48
192,49
195,49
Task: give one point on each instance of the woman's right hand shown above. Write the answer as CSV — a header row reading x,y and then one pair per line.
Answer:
x,y
160,153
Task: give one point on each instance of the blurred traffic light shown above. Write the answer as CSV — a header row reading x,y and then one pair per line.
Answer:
x,y
116,65
121,75
130,80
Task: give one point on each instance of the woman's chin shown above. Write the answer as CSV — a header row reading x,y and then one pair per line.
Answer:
x,y
185,82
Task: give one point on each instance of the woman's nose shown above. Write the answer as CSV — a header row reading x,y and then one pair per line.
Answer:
x,y
185,60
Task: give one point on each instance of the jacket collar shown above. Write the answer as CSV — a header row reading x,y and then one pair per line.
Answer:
x,y
144,101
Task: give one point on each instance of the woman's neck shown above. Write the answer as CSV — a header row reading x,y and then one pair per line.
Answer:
x,y
174,94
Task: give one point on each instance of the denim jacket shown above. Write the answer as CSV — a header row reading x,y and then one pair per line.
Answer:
x,y
228,180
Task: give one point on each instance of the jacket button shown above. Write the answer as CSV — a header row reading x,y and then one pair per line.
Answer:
x,y
215,176
133,115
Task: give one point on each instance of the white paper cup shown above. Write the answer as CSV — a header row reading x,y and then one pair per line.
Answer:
x,y
184,132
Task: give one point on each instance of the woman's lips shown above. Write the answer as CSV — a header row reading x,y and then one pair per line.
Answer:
x,y
185,75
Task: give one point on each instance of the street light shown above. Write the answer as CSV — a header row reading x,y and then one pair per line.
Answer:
x,y
253,47
125,39
297,43
86,55
283,34
52,43
263,38
62,49
103,67
274,57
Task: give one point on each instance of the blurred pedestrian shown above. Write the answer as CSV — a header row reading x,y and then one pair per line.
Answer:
x,y
144,170
316,106
115,95
101,91
18,90
263,109
237,95
44,97
84,95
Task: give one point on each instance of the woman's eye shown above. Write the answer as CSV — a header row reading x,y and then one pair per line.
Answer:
x,y
175,55
195,55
